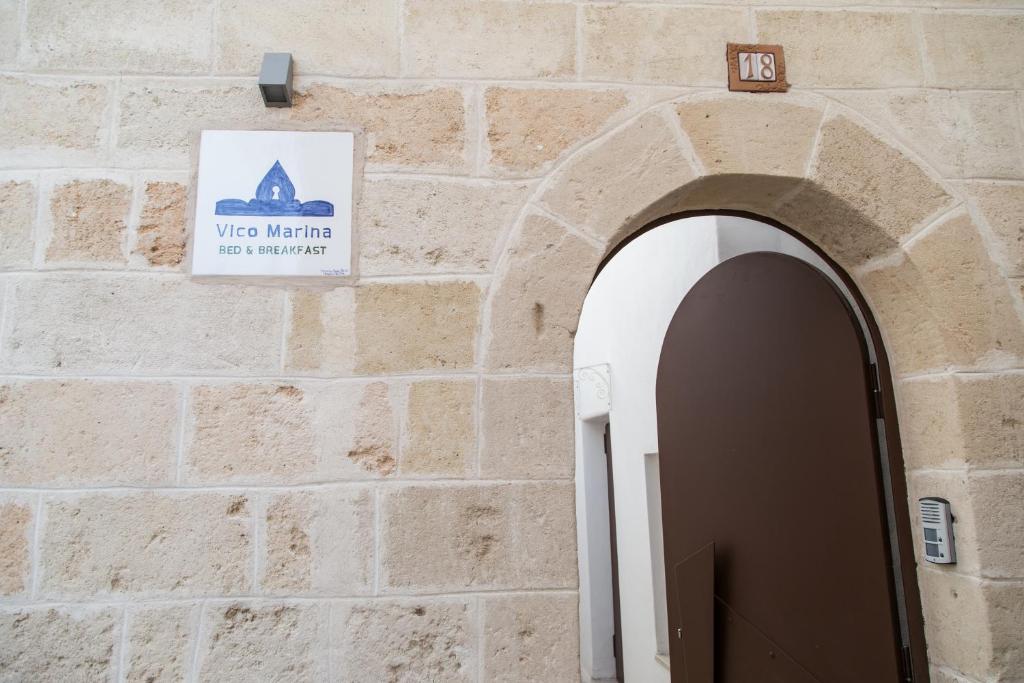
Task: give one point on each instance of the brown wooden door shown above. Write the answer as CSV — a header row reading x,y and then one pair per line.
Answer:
x,y
776,552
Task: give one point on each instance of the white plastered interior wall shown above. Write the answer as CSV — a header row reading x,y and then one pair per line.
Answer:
x,y
622,325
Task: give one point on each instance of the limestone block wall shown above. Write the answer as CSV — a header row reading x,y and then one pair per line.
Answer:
x,y
243,482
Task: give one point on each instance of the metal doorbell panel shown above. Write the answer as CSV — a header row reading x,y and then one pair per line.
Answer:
x,y
937,525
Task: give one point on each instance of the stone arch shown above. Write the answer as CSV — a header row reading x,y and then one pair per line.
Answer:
x,y
906,238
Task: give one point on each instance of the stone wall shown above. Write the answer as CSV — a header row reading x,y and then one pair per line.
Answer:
x,y
229,482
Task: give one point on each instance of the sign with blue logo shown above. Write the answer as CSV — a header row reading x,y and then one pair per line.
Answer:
x,y
276,203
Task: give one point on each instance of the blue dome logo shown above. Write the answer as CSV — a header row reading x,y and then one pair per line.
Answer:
x,y
275,196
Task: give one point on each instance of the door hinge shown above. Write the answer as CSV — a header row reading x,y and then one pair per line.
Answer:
x,y
615,643
877,404
908,665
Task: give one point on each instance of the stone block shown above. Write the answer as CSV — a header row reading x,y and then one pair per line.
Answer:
x,y
828,48
405,640
440,428
58,643
10,28
875,180
974,50
410,327
495,39
527,429
321,332
960,134
412,226
409,127
745,134
605,189
265,641
1006,623
956,622
88,221
159,120
1002,209
531,638
17,218
530,128
161,235
275,433
160,643
536,305
996,501
16,525
929,417
319,542
163,36
87,433
980,325
991,409
498,536
139,324
355,38
146,544
657,44
46,121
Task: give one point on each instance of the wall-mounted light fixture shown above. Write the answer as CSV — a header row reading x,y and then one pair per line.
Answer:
x,y
276,79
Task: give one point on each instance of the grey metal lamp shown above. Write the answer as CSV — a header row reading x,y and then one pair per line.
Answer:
x,y
276,79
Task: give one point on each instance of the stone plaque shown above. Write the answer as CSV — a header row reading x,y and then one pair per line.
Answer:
x,y
756,68
274,203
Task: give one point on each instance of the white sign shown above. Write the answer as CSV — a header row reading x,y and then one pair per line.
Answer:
x,y
274,203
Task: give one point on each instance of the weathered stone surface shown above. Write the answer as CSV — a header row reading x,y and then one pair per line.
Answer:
x,y
538,296
160,641
531,638
16,523
433,226
606,189
161,232
10,27
887,194
960,134
955,621
1006,622
494,39
409,127
319,541
901,303
105,34
408,640
974,51
287,433
121,323
995,498
150,130
416,326
42,119
478,536
1002,208
527,429
89,219
529,128
441,428
963,420
878,48
84,432
354,38
17,216
107,545
745,134
979,322
266,641
634,43
321,332
58,644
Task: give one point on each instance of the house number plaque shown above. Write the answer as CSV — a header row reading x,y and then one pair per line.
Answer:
x,y
756,68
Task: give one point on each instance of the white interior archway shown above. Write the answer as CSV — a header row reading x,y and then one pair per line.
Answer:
x,y
618,343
